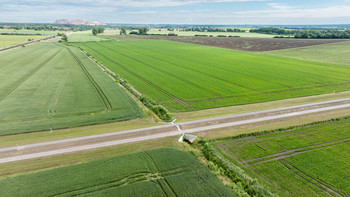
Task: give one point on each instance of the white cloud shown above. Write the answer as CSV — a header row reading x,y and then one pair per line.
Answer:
x,y
148,11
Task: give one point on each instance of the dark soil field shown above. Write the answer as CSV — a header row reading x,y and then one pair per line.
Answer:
x,y
243,44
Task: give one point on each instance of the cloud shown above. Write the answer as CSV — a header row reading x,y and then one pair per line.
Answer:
x,y
152,11
122,3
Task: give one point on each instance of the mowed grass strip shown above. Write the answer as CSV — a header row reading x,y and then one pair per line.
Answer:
x,y
48,85
301,162
335,53
161,172
203,77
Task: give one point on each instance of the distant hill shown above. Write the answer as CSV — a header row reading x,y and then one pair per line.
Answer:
x,y
77,22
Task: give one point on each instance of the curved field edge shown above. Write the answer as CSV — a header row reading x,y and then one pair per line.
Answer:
x,y
335,53
160,172
310,159
68,90
187,77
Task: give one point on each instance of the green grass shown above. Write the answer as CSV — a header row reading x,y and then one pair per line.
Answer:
x,y
84,37
161,172
187,77
48,85
28,31
299,162
336,53
9,40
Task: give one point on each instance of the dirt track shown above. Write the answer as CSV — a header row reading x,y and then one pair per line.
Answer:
x,y
17,153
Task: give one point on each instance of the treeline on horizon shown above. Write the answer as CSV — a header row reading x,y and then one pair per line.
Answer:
x,y
46,27
308,33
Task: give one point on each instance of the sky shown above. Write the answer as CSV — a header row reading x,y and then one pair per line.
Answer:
x,y
221,12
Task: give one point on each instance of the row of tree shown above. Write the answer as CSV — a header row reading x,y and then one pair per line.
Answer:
x,y
46,27
97,30
210,29
297,33
141,31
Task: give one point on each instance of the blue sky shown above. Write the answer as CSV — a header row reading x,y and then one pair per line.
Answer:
x,y
179,11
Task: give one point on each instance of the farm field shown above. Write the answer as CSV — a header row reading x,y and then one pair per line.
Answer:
x,y
161,172
187,77
242,44
10,40
193,33
29,31
312,161
59,88
84,37
336,53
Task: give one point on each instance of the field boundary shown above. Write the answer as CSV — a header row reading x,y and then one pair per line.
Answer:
x,y
102,95
309,179
163,114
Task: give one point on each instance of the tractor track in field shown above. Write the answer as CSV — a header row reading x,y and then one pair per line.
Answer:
x,y
27,76
270,92
311,180
293,152
147,82
167,73
203,73
100,92
43,149
134,178
53,105
219,68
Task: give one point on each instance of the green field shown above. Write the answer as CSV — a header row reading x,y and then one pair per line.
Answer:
x,y
336,53
10,40
187,77
161,172
312,161
84,37
29,31
48,85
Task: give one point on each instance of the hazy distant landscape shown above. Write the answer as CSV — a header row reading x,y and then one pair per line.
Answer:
x,y
174,98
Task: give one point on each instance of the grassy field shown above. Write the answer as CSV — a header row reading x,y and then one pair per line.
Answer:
x,y
85,36
187,77
312,161
336,53
59,88
9,40
161,172
29,31
192,33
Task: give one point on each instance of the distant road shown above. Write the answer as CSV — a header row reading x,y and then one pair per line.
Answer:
x,y
31,151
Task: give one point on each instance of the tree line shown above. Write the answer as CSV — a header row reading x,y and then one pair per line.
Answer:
x,y
46,27
209,29
97,30
311,33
